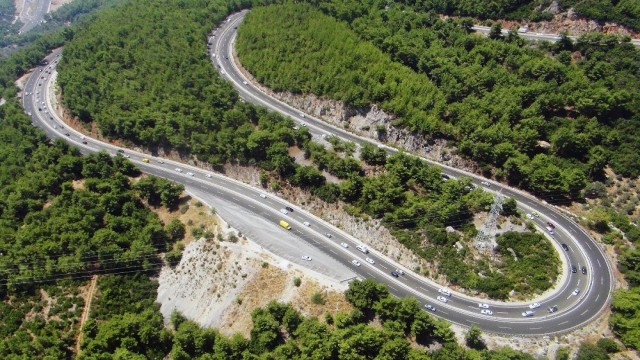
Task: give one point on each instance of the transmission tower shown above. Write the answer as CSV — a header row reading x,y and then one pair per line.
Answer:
x,y
485,241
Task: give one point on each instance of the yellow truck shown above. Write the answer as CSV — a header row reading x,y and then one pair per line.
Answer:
x,y
145,160
285,225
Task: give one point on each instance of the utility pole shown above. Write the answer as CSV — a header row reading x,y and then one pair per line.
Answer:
x,y
485,241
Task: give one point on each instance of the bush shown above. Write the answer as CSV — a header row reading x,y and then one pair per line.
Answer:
x,y
317,298
297,281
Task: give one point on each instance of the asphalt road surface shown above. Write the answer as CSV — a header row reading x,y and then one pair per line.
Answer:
x,y
573,310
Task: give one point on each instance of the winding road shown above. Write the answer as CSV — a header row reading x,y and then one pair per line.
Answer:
x,y
574,310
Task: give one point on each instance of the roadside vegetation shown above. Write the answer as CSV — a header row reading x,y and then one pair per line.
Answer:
x,y
547,118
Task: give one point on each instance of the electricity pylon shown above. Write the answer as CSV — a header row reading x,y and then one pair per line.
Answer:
x,y
485,241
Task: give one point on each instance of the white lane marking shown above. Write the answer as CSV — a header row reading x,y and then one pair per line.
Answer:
x,y
504,327
599,265
251,206
423,288
601,281
333,252
471,321
589,246
597,297
584,312
396,290
444,312
501,312
578,284
535,328
564,322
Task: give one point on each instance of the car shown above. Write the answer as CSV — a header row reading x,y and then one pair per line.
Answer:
x,y
530,217
549,224
289,208
306,223
306,258
127,156
444,291
263,196
485,183
190,173
574,269
84,142
399,271
178,170
362,248
550,230
565,247
552,309
445,176
536,214
328,235
430,307
244,82
284,211
486,312
395,274
370,261
483,305
66,134
528,313
303,115
575,292
161,161
344,245
534,306
584,270
209,176
120,150
355,262
442,298
39,109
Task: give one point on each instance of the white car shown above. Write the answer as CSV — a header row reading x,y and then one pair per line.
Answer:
x,y
362,248
530,217
355,262
263,196
442,298
344,245
190,173
209,176
306,223
370,261
307,258
127,156
528,313
485,183
178,170
399,271
244,82
302,115
486,312
284,211
483,305
161,161
444,291
430,307
328,235
575,292
534,305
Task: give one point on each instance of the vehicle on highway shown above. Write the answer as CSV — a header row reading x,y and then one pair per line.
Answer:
x,y
161,161
399,271
344,245
66,134
289,208
362,248
395,274
565,247
536,214
285,225
534,306
445,177
84,142
483,305
120,150
190,173
574,269
549,224
575,292
370,261
485,183
127,156
486,312
306,223
209,176
284,211
530,217
552,309
550,230
355,262
430,307
584,270
244,82
178,170
263,196
528,313
145,160
302,115
444,291
328,235
442,298
306,258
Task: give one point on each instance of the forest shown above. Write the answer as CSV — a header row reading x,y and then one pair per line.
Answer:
x,y
546,117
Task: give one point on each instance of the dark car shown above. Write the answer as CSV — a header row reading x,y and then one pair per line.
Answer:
x,y
565,247
66,134
395,274
574,269
584,270
551,225
553,309
84,142
289,209
445,177
120,150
